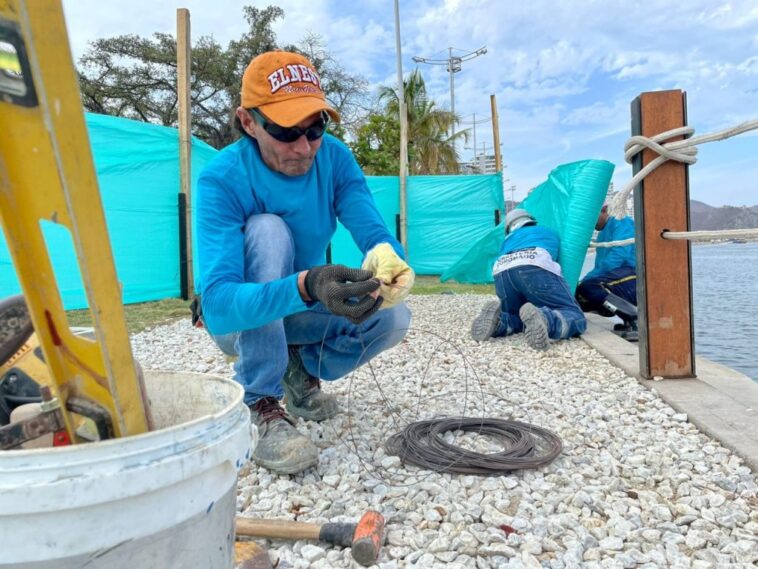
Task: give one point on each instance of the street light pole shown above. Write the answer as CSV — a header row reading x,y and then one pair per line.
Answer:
x,y
403,137
453,64
475,122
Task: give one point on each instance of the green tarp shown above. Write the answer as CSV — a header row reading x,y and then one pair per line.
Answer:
x,y
445,214
137,167
569,201
451,219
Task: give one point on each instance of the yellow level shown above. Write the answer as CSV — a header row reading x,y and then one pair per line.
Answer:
x,y
47,174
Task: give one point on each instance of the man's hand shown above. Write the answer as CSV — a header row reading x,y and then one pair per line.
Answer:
x,y
395,275
344,291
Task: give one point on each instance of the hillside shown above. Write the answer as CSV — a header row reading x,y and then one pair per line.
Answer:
x,y
704,217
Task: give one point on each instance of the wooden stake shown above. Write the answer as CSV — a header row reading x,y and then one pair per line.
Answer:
x,y
184,76
664,279
496,134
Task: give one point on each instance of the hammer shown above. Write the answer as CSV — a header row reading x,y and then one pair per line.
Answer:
x,y
364,538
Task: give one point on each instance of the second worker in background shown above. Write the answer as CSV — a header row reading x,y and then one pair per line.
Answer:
x,y
534,296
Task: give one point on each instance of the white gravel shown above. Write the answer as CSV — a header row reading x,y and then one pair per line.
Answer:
x,y
636,485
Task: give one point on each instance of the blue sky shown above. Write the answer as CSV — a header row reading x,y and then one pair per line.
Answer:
x,y
564,73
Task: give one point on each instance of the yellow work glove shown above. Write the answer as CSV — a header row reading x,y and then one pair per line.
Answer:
x,y
394,275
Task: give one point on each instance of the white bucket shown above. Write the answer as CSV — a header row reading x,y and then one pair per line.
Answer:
x,y
162,500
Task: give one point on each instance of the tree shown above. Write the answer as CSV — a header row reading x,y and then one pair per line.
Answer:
x,y
134,77
431,148
346,93
377,145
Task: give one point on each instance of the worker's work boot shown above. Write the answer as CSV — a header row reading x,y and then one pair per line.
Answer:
x,y
535,326
304,397
484,325
281,447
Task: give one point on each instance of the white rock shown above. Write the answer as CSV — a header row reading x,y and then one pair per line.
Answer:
x,y
532,545
432,515
612,544
695,540
530,561
497,549
332,480
391,462
632,468
312,552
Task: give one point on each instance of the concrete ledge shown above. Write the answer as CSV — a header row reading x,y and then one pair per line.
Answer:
x,y
721,402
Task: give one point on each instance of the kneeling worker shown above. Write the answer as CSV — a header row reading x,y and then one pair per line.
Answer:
x,y
534,297
615,268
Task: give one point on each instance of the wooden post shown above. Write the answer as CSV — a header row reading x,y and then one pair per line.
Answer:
x,y
184,76
496,134
664,278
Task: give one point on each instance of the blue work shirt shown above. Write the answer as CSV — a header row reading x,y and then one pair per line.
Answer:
x,y
610,258
532,236
237,184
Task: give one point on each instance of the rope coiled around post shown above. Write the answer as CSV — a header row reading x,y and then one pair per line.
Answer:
x,y
680,150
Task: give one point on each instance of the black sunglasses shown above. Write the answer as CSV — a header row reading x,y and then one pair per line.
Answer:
x,y
291,134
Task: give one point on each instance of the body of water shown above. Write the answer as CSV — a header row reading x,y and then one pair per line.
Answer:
x,y
725,303
725,299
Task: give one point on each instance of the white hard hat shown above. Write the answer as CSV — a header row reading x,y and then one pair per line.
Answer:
x,y
518,218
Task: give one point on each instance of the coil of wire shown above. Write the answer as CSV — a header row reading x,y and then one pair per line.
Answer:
x,y
525,446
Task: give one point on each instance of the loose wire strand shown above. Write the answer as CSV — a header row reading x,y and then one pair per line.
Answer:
x,y
420,443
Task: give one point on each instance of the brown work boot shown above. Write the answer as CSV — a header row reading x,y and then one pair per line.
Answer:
x,y
303,392
281,447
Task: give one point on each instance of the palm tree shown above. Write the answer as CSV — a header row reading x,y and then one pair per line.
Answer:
x,y
431,148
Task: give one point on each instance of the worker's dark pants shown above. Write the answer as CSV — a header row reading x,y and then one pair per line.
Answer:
x,y
591,293
545,290
332,346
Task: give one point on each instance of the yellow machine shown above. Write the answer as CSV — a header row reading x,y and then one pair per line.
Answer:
x,y
47,174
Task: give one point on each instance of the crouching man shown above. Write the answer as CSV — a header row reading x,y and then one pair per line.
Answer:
x,y
267,209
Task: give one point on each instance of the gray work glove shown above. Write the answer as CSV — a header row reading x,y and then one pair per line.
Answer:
x,y
344,291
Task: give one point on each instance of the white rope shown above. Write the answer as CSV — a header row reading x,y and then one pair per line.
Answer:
x,y
681,150
690,235
708,235
621,243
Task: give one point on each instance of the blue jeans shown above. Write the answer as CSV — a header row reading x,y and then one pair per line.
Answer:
x,y
622,282
332,346
547,291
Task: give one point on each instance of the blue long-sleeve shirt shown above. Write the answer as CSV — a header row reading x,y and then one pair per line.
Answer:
x,y
237,184
532,236
610,258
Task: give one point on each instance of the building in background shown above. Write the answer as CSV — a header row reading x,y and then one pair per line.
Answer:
x,y
485,163
480,164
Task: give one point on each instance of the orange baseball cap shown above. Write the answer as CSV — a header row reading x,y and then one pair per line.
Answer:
x,y
285,87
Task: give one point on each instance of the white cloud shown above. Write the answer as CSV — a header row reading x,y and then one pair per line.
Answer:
x,y
564,73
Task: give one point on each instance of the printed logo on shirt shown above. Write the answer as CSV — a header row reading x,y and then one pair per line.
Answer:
x,y
536,256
